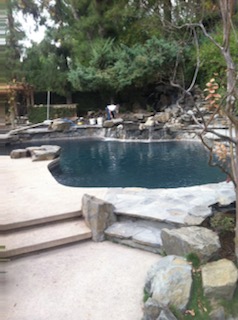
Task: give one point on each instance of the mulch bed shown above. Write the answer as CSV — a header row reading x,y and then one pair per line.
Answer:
x,y
227,246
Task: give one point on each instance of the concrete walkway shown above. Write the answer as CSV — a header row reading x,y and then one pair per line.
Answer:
x,y
29,192
88,281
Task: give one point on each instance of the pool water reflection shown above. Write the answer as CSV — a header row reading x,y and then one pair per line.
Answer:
x,y
88,163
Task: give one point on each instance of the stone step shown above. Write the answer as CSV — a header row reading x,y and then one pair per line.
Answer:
x,y
139,234
43,237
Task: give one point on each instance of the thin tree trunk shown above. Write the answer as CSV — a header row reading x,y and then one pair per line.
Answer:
x,y
236,190
227,8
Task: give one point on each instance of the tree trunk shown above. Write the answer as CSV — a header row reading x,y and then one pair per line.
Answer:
x,y
69,98
236,190
167,8
227,10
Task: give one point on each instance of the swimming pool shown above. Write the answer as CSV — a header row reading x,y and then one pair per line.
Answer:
x,y
89,163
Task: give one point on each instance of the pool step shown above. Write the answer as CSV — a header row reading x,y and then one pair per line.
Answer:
x,y
41,237
145,235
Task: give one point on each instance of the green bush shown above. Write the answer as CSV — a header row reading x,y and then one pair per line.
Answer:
x,y
194,259
39,114
222,223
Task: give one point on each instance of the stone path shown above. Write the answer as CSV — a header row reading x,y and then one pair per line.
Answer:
x,y
180,206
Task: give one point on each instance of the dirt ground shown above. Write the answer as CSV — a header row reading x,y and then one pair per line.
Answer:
x,y
226,236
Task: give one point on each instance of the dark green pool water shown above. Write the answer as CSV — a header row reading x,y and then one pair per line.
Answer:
x,y
90,163
134,164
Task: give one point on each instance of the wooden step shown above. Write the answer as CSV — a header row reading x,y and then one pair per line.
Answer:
x,y
42,237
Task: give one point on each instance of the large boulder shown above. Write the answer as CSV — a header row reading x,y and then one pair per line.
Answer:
x,y
98,215
44,152
219,279
60,125
169,282
201,241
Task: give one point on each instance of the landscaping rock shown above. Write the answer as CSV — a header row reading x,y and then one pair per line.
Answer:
x,y
162,117
149,122
217,314
169,282
219,279
18,153
201,241
60,125
113,122
98,216
108,124
152,309
45,152
166,314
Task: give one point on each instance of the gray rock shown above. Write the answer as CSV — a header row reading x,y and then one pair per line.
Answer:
x,y
201,241
18,153
139,231
113,122
139,116
162,117
108,124
190,113
152,309
217,314
169,282
150,122
166,314
60,125
44,152
219,279
98,216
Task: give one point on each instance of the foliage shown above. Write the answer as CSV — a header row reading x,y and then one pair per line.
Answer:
x,y
118,67
222,223
198,307
46,67
13,48
212,61
146,296
194,259
39,114
231,307
109,45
